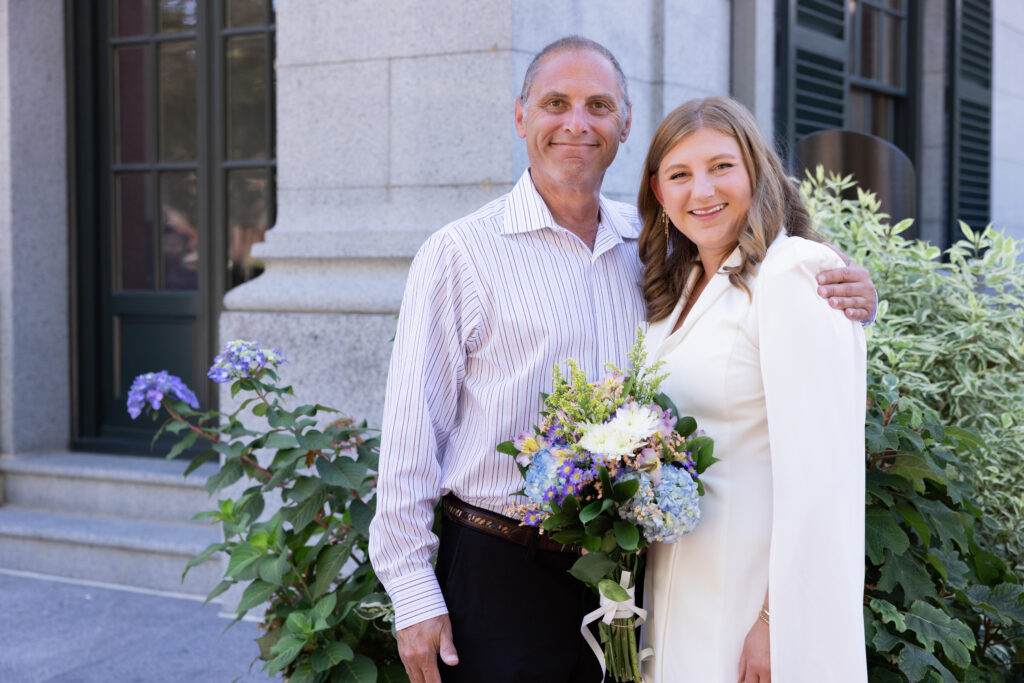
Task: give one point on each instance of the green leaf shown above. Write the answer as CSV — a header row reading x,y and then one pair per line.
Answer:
x,y
1003,603
328,564
883,533
203,556
186,442
242,564
360,670
593,510
273,568
362,515
201,459
332,475
612,590
625,489
916,663
323,608
626,535
916,469
905,571
393,673
331,655
303,673
259,410
593,567
314,440
933,626
229,473
299,623
889,614
947,523
218,589
303,514
507,448
354,470
257,593
285,651
916,521
280,441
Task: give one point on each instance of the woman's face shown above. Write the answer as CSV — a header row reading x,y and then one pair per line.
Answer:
x,y
705,189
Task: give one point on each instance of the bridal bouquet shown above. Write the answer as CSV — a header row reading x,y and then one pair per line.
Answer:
x,y
611,468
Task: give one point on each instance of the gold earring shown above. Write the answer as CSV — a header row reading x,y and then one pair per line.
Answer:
x,y
664,219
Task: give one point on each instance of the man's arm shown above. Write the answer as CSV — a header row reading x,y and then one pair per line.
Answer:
x,y
849,289
421,404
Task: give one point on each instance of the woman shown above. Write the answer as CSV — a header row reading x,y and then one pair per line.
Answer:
x,y
770,584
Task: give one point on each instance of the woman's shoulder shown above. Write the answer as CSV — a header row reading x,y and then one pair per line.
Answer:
x,y
788,253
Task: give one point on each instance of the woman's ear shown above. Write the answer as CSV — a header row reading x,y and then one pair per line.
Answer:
x,y
655,188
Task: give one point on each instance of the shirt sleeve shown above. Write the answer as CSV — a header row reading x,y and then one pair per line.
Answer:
x,y
439,314
813,368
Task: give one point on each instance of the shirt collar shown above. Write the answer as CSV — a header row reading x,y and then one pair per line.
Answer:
x,y
526,211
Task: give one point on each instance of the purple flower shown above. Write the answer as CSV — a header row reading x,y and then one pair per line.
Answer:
x,y
243,359
152,387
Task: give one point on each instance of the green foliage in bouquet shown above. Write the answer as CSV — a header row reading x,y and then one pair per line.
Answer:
x,y
327,617
953,331
938,606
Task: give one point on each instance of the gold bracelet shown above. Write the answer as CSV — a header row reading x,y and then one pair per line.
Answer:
x,y
763,615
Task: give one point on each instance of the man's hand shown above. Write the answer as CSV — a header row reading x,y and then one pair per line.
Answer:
x,y
849,289
419,645
755,660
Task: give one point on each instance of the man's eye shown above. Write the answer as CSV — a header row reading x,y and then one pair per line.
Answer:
x,y
555,104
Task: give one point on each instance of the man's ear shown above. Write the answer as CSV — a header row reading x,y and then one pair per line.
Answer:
x,y
626,125
520,123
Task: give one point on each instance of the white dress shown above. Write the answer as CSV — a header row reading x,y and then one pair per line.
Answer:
x,y
778,381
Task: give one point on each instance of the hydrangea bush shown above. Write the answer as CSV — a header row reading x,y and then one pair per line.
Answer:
x,y
327,617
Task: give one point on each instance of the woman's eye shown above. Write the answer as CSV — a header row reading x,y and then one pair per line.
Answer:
x,y
722,166
679,174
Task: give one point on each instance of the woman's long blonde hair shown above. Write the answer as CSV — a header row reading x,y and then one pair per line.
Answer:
x,y
774,202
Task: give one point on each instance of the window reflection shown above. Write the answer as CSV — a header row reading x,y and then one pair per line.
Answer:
x,y
130,111
177,86
180,246
134,237
244,12
130,18
247,97
177,15
247,222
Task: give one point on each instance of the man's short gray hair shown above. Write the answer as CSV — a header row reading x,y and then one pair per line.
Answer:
x,y
566,44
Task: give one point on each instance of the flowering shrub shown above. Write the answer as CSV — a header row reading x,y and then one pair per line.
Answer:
x,y
327,617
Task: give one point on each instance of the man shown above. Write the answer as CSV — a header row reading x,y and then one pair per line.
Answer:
x,y
493,302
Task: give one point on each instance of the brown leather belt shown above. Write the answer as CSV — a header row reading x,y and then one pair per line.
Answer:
x,y
500,526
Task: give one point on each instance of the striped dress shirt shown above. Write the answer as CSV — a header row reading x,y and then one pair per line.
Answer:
x,y
493,301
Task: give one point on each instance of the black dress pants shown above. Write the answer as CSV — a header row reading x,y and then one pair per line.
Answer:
x,y
515,613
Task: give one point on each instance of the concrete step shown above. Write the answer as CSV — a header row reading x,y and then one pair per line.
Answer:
x,y
129,552
121,486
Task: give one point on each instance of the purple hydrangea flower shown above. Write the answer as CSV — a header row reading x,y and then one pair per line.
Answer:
x,y
243,359
152,387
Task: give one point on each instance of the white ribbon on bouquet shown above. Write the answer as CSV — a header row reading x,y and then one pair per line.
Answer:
x,y
610,610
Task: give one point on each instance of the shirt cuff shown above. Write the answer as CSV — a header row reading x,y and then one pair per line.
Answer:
x,y
874,312
417,597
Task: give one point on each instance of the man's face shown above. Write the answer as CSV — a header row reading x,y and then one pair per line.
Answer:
x,y
574,120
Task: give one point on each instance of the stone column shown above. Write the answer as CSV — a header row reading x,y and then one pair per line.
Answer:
x,y
35,393
395,118
1007,122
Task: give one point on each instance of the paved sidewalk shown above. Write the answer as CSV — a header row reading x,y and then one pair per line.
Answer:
x,y
65,631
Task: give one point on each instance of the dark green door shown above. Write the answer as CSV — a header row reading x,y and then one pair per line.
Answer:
x,y
158,222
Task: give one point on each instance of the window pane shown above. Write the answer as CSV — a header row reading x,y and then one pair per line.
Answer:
x,y
247,98
177,86
130,18
247,222
245,12
181,233
869,42
892,43
177,15
134,234
130,110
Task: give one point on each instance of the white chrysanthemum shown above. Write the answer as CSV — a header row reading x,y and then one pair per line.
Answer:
x,y
636,420
608,440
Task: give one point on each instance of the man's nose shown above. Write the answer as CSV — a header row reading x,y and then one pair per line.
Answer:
x,y
576,122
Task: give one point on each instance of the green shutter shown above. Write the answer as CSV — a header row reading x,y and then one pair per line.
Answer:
x,y
971,129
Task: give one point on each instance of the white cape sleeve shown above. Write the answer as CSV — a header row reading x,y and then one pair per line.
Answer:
x,y
813,369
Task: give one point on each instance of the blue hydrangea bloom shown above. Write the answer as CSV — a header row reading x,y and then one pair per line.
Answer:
x,y
152,387
243,359
666,511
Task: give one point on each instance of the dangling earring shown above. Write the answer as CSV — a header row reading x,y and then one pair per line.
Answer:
x,y
664,219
